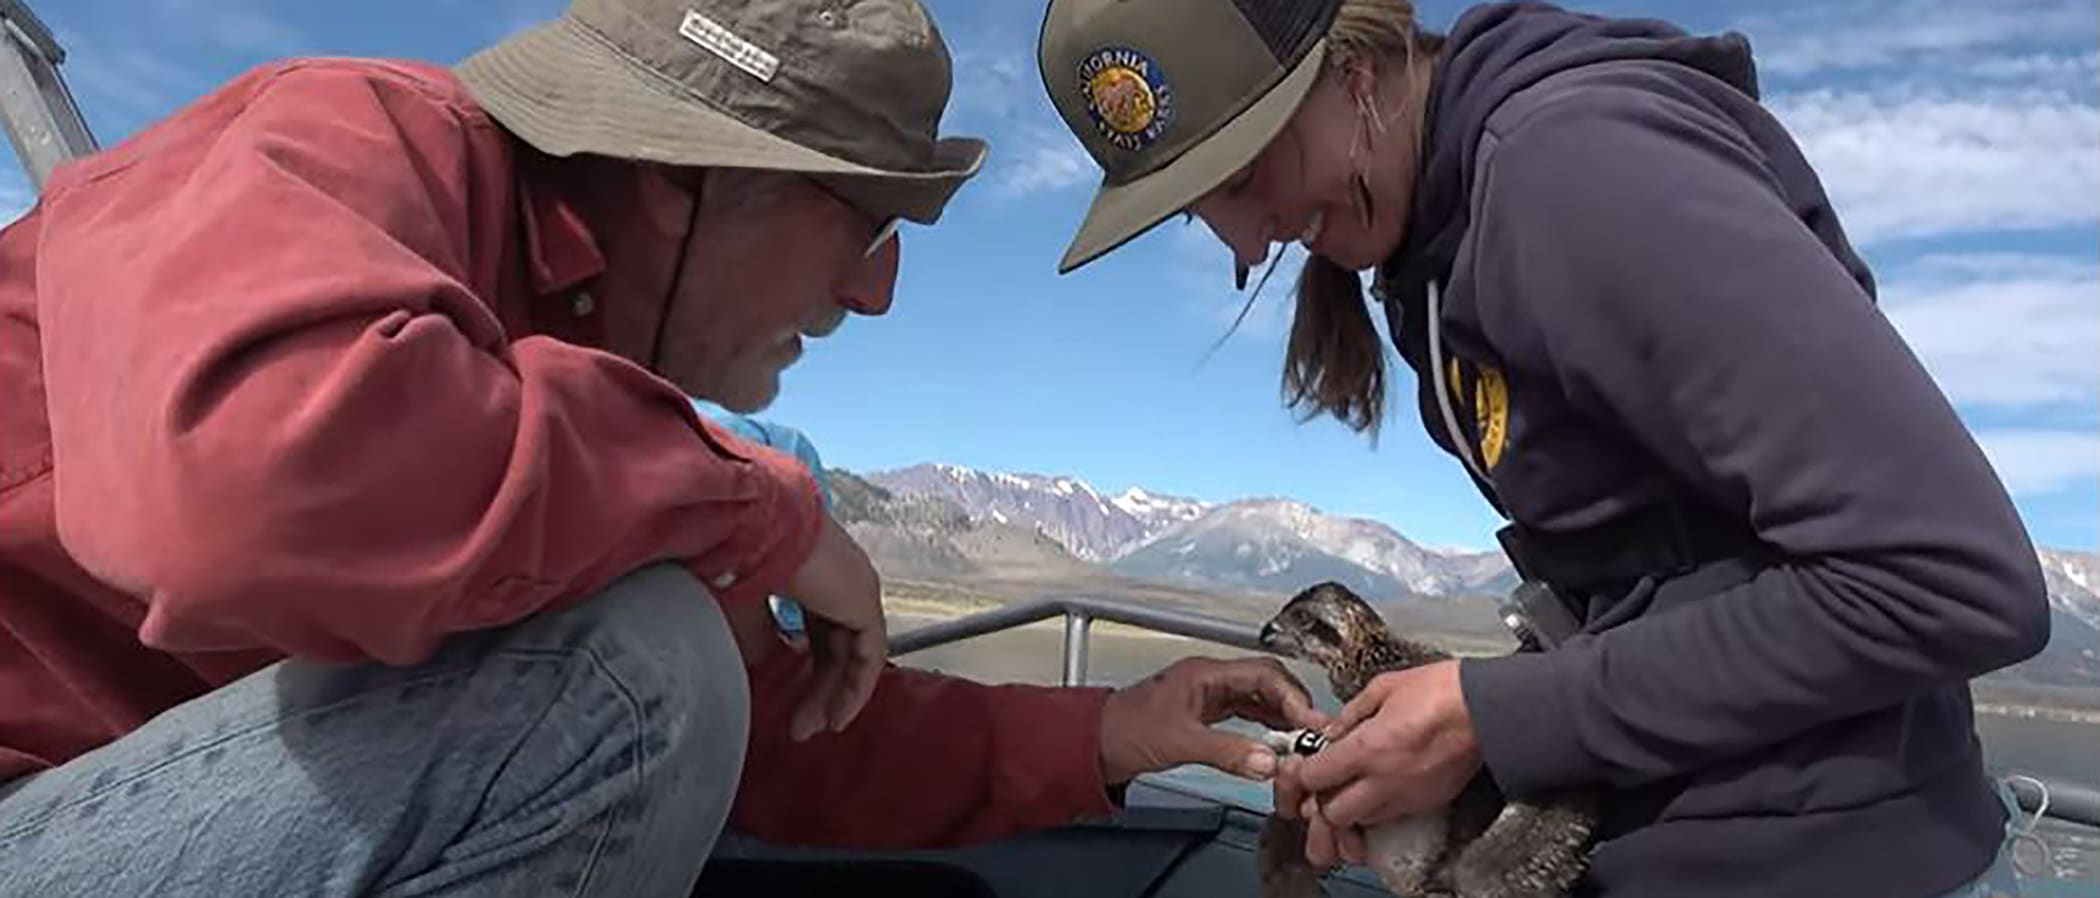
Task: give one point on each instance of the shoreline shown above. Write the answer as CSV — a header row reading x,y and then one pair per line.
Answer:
x,y
921,610
925,611
935,612
2052,713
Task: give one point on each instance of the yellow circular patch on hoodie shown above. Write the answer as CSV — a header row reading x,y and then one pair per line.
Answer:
x,y
1490,403
1491,414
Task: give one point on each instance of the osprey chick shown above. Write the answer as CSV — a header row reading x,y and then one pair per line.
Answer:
x,y
1481,846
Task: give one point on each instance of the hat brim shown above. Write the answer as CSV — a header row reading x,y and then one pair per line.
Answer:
x,y
565,90
1122,212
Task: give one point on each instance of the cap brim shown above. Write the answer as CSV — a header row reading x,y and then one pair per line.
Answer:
x,y
1121,212
561,88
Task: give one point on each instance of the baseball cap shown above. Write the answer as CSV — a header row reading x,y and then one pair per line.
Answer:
x,y
1171,97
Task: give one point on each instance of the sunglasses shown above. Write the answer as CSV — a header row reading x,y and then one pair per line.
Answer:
x,y
884,227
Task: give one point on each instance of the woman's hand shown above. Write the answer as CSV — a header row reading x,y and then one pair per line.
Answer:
x,y
1403,746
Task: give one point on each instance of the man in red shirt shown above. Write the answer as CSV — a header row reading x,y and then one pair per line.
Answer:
x,y
356,533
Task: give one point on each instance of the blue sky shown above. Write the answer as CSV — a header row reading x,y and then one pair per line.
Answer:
x,y
1960,140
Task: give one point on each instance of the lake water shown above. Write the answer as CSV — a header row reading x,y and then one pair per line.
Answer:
x,y
1033,655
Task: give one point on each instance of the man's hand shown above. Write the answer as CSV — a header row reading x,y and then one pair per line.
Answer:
x,y
1403,746
1164,721
841,594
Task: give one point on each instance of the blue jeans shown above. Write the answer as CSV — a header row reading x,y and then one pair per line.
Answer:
x,y
594,751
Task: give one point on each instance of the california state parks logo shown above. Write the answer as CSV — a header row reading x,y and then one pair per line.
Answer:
x,y
1127,96
1490,405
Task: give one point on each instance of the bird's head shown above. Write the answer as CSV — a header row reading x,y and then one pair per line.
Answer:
x,y
1326,624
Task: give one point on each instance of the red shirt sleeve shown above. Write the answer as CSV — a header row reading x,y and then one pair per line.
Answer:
x,y
932,762
283,419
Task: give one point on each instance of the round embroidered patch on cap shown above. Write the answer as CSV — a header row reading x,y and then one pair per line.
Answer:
x,y
1127,96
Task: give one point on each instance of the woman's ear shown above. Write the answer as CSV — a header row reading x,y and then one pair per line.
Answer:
x,y
1360,76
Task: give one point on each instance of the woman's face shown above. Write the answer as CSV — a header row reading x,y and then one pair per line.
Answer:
x,y
1300,188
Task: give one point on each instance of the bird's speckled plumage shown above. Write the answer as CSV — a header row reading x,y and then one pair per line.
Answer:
x,y
1480,846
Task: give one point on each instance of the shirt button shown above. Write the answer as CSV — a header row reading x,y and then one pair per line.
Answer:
x,y
724,580
583,304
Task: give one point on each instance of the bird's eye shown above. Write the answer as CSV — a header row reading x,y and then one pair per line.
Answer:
x,y
1324,631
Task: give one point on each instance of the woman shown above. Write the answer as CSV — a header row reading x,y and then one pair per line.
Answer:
x,y
1635,319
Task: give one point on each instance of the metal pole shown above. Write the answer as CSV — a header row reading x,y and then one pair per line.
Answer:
x,y
1077,623
41,118
2068,801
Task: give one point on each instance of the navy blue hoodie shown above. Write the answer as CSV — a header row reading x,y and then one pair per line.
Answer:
x,y
1648,298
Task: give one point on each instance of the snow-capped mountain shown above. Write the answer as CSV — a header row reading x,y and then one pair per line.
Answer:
x,y
928,538
1274,543
1090,525
2072,657
1157,510
1267,544
952,523
1279,545
2074,583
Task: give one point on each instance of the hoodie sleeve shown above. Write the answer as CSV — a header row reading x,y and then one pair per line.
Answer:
x,y
1681,300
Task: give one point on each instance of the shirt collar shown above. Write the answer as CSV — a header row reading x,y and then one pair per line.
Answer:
x,y
560,251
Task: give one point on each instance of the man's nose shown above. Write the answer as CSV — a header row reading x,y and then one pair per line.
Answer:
x,y
872,285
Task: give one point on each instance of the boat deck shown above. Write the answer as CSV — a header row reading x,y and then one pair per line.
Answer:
x,y
1193,831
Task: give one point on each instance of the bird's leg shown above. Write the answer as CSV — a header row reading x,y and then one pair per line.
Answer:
x,y
1285,873
1294,742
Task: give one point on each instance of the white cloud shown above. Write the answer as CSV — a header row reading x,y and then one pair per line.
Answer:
x,y
1203,267
1046,161
245,31
1998,265
128,81
1857,36
995,80
2051,69
2037,462
2003,330
231,26
998,93
1911,162
1937,117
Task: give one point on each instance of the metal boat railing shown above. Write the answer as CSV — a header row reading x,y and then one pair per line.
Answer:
x,y
37,110
2053,797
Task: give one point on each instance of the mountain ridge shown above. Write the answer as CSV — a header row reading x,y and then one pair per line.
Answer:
x,y
1028,531
1091,525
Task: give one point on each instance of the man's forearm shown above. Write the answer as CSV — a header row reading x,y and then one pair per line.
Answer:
x,y
933,761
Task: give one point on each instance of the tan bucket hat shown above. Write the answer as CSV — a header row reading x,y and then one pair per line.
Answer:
x,y
1172,97
851,93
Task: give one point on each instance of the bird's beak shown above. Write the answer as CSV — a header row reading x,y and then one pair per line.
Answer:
x,y
1274,640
